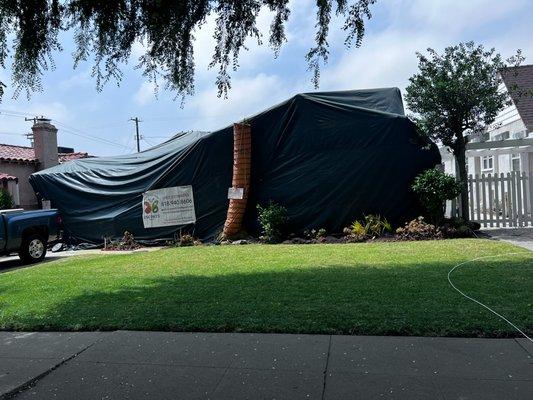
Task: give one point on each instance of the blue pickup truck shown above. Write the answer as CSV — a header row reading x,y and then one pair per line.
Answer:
x,y
28,233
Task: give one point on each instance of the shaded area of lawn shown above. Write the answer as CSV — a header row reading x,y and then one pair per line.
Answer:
x,y
381,288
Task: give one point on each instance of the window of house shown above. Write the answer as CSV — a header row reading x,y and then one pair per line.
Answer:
x,y
487,163
515,162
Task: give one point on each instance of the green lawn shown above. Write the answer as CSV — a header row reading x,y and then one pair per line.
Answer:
x,y
368,288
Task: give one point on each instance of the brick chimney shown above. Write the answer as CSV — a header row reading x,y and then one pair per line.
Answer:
x,y
45,142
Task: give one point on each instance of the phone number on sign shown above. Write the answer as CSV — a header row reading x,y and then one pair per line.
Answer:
x,y
176,202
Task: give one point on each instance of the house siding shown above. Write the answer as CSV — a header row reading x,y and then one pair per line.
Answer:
x,y
22,171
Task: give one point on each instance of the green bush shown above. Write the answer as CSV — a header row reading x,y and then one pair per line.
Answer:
x,y
433,187
6,201
273,219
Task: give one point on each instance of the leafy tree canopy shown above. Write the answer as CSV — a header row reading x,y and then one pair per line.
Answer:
x,y
458,93
106,31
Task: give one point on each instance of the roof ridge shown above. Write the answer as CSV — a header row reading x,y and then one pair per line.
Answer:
x,y
17,145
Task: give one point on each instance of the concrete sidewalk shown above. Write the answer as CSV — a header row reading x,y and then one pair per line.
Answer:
x,y
161,365
521,237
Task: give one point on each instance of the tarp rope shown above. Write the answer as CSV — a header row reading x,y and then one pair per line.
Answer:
x,y
480,303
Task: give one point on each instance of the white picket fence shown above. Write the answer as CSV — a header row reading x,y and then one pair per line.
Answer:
x,y
501,200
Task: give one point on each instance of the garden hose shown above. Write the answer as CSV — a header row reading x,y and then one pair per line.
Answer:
x,y
480,303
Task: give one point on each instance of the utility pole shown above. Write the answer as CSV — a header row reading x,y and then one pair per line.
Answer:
x,y
137,136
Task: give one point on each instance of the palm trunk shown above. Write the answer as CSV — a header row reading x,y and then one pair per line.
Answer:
x,y
242,148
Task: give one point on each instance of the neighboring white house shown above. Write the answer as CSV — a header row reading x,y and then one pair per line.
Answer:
x,y
502,148
500,161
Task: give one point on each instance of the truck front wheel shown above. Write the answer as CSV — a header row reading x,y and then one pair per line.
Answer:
x,y
33,249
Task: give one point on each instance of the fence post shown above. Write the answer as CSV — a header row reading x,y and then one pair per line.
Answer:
x,y
512,190
523,178
504,199
489,194
530,183
471,196
497,200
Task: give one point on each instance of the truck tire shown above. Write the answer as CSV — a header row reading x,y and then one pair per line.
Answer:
x,y
32,249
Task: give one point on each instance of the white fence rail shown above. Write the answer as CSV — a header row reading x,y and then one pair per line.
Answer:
x,y
501,200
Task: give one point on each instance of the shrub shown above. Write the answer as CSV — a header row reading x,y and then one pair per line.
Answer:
x,y
6,201
376,226
372,226
315,234
418,229
272,219
125,244
358,229
433,187
456,228
186,240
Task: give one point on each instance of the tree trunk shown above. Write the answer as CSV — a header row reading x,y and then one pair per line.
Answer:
x,y
460,154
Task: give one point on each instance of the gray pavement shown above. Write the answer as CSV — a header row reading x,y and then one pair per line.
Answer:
x,y
521,237
13,262
172,365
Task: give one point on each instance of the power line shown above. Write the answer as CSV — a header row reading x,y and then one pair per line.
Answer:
x,y
80,133
65,128
12,134
17,113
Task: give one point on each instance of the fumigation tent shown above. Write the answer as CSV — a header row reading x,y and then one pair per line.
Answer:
x,y
328,157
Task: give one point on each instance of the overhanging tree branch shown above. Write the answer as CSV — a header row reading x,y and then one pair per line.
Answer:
x,y
106,31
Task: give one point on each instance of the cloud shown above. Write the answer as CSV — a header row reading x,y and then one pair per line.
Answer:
x,y
145,94
53,110
387,57
456,16
246,97
385,60
81,79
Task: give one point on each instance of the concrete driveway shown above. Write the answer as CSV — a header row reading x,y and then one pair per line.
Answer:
x,y
522,237
172,365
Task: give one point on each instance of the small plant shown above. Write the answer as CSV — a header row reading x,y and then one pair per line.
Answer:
x,y
127,243
358,229
456,228
372,226
321,233
186,240
315,234
418,229
6,200
433,187
376,226
273,219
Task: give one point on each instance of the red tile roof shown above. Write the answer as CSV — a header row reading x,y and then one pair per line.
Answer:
x,y
6,177
64,157
10,152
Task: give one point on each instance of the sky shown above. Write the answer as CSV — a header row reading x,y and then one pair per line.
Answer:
x,y
99,122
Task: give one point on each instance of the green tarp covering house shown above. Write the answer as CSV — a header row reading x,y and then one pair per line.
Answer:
x,y
328,157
